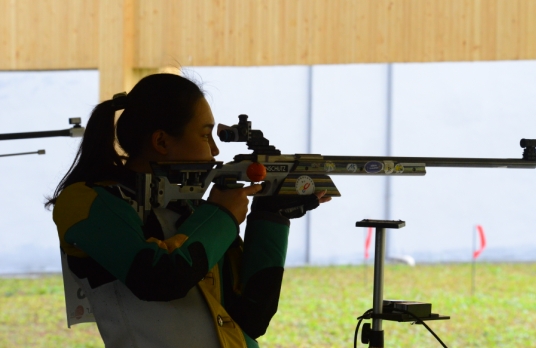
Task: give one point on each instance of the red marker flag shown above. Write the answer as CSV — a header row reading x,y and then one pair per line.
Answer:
x,y
367,242
482,236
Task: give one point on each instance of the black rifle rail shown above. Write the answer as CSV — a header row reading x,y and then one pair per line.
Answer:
x,y
451,162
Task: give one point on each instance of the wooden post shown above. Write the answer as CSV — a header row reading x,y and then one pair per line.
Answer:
x,y
117,38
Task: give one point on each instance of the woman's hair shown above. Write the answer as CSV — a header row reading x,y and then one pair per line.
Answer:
x,y
157,102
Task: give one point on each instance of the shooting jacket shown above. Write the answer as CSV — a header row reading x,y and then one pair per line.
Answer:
x,y
182,279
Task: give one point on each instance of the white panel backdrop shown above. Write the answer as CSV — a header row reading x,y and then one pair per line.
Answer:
x,y
465,110
349,119
31,102
438,109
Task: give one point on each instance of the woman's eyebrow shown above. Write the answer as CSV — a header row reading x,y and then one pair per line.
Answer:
x,y
209,125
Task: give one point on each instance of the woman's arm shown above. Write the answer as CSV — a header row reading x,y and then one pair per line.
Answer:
x,y
265,249
94,223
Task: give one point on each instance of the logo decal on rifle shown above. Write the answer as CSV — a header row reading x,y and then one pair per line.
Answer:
x,y
373,167
399,168
277,168
329,166
352,167
305,185
389,167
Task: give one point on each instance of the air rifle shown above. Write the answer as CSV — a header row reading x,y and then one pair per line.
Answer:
x,y
298,174
76,131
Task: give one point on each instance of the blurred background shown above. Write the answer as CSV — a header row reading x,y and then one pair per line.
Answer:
x,y
439,109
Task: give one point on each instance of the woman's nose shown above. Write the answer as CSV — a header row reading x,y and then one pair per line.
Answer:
x,y
214,148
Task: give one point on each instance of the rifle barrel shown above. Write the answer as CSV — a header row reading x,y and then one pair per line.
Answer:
x,y
29,135
451,162
351,165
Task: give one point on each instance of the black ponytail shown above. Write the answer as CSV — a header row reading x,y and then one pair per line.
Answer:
x,y
96,158
157,102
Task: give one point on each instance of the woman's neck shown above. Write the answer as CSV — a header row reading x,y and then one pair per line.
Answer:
x,y
138,165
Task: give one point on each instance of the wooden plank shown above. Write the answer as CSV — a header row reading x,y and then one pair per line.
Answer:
x,y
115,47
476,30
7,35
81,41
489,30
528,47
362,28
398,30
26,18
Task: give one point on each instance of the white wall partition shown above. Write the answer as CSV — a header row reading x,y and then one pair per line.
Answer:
x,y
31,102
465,110
349,118
437,109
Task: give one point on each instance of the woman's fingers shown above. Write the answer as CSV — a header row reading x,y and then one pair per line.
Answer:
x,y
253,189
236,200
324,199
321,197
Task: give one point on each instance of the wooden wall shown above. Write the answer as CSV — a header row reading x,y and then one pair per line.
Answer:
x,y
282,32
48,34
126,39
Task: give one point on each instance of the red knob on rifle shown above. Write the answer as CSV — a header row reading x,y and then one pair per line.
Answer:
x,y
256,172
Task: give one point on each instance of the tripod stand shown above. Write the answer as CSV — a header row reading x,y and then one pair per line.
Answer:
x,y
401,311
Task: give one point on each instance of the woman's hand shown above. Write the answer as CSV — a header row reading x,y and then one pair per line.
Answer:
x,y
234,200
292,206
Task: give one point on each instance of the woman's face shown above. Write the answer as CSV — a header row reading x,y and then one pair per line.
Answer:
x,y
196,143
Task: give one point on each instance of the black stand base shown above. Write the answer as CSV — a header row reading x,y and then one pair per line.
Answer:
x,y
373,335
373,338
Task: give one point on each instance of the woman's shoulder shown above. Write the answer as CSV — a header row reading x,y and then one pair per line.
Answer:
x,y
78,193
83,201
79,197
83,192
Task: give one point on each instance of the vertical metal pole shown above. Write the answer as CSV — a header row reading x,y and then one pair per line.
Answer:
x,y
377,300
365,260
309,150
388,148
473,271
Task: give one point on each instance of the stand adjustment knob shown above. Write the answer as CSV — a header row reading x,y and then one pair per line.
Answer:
x,y
365,334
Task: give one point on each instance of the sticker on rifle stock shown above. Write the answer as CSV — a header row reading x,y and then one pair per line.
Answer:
x,y
305,185
373,167
329,167
399,168
352,168
389,167
277,168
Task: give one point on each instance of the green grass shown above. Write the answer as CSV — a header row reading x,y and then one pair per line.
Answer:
x,y
318,308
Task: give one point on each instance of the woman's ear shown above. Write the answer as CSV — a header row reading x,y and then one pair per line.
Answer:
x,y
159,142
